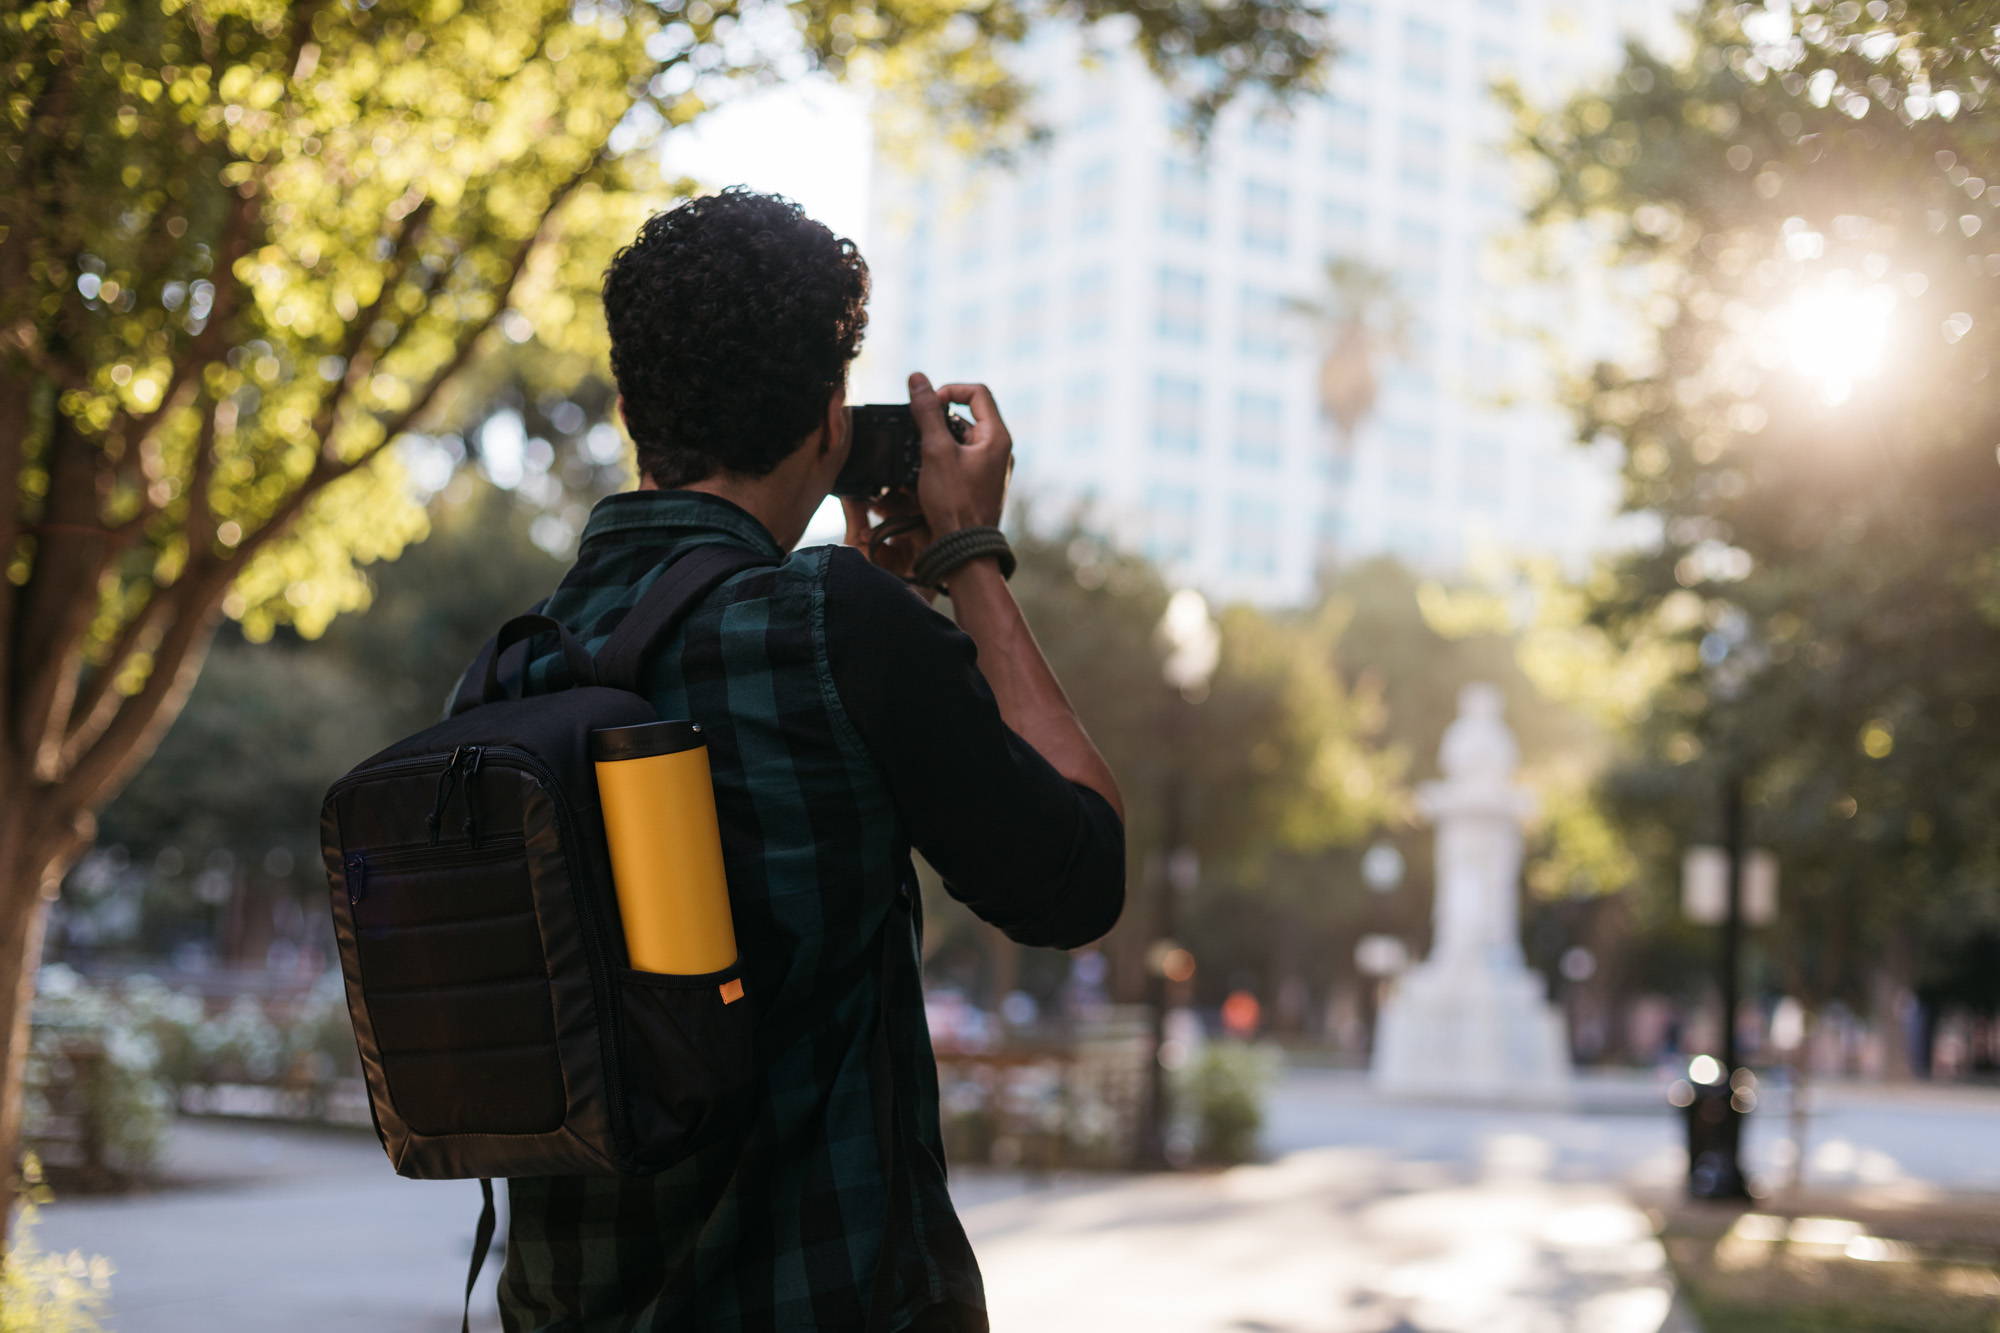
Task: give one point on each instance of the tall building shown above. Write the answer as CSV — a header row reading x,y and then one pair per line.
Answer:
x,y
1133,303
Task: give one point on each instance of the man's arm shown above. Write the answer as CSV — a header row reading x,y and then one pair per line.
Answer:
x,y
965,485
1028,850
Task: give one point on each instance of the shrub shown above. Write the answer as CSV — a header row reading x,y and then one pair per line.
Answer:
x,y
48,1293
1222,1091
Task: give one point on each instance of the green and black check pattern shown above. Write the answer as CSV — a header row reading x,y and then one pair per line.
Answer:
x,y
782,1231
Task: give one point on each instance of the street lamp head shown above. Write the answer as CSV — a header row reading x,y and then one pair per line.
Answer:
x,y
1382,867
1190,643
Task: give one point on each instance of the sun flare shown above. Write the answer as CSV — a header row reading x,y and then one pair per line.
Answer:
x,y
1834,333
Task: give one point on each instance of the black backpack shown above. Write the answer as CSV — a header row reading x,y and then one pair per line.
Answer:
x,y
501,1030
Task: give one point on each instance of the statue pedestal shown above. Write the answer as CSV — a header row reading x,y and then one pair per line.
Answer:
x,y
1470,1023
1474,1034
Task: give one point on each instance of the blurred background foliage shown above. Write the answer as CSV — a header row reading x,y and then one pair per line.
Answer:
x,y
1795,212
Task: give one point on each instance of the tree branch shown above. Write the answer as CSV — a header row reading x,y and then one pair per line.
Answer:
x,y
356,360
204,347
139,721
97,701
15,422
329,469
72,551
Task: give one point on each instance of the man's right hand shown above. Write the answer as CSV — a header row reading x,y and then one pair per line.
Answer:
x,y
960,485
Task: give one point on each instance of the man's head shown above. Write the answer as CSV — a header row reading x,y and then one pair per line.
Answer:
x,y
733,319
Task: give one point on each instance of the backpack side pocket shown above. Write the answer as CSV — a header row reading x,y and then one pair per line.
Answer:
x,y
689,1060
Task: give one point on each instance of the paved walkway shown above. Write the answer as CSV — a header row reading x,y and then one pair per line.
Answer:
x,y
1371,1218
1327,1240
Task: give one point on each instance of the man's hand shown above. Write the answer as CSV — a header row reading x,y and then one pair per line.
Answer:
x,y
898,549
961,485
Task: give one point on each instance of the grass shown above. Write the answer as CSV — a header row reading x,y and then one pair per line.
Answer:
x,y
1837,1265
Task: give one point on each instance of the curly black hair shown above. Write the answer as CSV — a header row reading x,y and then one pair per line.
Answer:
x,y
733,318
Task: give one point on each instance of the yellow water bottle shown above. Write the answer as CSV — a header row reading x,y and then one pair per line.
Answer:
x,y
666,849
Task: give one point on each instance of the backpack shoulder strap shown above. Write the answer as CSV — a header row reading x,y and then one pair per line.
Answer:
x,y
473,682
688,577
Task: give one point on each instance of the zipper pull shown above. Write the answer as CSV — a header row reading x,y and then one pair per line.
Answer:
x,y
442,796
357,879
473,754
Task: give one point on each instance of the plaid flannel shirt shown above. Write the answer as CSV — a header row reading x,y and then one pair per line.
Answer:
x,y
783,1230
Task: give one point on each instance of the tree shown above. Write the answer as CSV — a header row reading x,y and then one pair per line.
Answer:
x,y
296,713
1798,204
1363,321
246,246
1277,761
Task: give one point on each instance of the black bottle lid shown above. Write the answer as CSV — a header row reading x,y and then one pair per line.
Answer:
x,y
610,744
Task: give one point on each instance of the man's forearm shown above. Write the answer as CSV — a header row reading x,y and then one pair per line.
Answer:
x,y
1031,699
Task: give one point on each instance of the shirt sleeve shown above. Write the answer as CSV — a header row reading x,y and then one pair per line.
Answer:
x,y
1029,851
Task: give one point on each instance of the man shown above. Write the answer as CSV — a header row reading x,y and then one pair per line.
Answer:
x,y
848,722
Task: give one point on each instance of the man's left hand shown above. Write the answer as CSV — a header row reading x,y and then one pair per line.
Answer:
x,y
897,553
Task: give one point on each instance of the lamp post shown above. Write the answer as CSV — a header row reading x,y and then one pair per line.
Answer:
x,y
1379,956
1719,1095
1190,645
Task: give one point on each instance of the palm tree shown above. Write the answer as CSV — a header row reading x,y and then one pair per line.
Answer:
x,y
1363,320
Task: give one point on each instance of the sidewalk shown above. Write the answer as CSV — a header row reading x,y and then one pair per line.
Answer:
x,y
309,1232
1326,1240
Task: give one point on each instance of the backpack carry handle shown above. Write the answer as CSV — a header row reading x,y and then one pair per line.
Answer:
x,y
582,670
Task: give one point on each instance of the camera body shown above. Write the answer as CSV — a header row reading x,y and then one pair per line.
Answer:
x,y
885,452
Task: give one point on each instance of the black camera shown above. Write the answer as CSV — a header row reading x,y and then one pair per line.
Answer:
x,y
885,451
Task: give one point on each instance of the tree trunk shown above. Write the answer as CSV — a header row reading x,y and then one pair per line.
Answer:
x,y
26,890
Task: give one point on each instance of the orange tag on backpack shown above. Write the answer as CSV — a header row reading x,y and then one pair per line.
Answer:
x,y
732,990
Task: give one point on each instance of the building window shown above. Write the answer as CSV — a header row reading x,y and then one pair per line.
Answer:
x,y
1253,536
1182,298
1492,59
1172,514
1271,128
1410,541
1089,305
1424,54
1083,414
1094,196
1099,108
1260,327
1343,226
1259,439
1176,416
1347,135
1419,284
1421,156
1411,458
1266,212
968,328
1031,228
1024,422
1482,474
1027,321
1184,198
1330,532
1355,17
1335,464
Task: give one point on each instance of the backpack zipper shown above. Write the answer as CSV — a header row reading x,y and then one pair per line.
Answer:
x,y
358,864
473,754
441,794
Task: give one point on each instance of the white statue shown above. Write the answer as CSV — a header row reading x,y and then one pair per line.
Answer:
x,y
1471,1021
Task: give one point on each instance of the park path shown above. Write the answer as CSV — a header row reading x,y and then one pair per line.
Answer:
x,y
1370,1218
